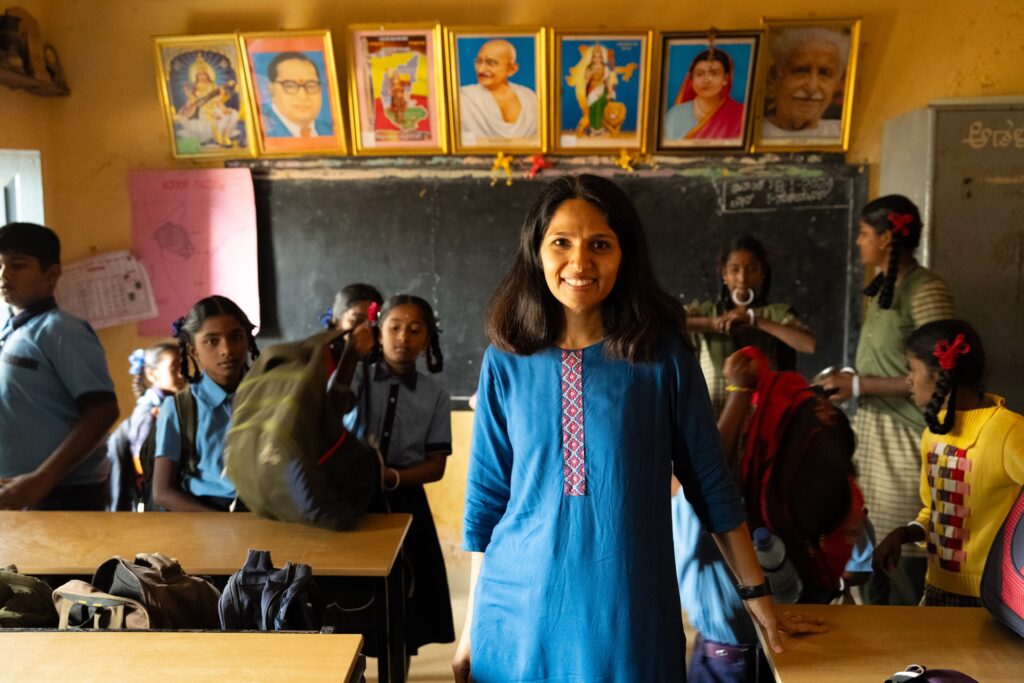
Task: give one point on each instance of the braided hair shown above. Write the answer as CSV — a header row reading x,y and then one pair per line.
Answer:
x,y
899,215
186,328
435,359
754,246
146,359
967,358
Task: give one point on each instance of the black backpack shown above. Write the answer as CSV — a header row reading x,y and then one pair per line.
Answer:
x,y
1002,582
262,597
188,464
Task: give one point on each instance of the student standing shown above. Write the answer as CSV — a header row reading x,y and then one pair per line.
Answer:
x,y
901,298
214,339
971,464
56,397
587,401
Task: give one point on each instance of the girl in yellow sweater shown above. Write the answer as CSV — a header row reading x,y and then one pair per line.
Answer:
x,y
972,464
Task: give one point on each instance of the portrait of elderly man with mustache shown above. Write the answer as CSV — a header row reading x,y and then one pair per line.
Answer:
x,y
494,107
808,68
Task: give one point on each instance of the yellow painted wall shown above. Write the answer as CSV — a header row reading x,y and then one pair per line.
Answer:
x,y
912,51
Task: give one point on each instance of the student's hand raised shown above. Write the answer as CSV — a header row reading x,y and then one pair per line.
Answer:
x,y
22,491
741,370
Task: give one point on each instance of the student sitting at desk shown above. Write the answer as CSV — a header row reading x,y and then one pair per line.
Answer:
x,y
56,397
972,464
213,338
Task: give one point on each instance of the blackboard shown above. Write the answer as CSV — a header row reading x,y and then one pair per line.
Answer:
x,y
440,229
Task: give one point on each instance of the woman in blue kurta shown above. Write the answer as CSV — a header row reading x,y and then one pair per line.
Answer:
x,y
588,401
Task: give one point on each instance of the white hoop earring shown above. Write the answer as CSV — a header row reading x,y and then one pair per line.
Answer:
x,y
736,299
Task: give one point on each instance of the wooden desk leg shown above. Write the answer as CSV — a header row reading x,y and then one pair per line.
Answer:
x,y
391,626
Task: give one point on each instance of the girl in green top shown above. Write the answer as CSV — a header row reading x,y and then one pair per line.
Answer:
x,y
901,298
742,316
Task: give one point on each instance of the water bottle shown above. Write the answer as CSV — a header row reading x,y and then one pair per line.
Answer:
x,y
771,555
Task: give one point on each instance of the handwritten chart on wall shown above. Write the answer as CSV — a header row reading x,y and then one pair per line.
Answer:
x,y
195,231
437,228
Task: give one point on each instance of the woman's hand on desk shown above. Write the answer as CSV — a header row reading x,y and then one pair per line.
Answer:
x,y
23,490
778,619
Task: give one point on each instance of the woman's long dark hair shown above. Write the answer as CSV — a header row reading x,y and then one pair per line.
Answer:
x,y
754,246
435,359
185,330
523,316
968,373
879,214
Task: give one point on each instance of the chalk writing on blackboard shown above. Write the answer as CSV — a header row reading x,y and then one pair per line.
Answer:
x,y
767,194
980,136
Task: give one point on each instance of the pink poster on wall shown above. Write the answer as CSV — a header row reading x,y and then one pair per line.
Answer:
x,y
195,231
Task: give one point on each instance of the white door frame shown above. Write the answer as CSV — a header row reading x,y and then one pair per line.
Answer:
x,y
21,186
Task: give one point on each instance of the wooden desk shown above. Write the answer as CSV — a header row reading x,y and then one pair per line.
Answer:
x,y
868,643
216,543
102,656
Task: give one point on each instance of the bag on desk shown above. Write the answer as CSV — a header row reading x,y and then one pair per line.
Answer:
x,y
1002,583
278,452
171,598
260,596
81,606
25,601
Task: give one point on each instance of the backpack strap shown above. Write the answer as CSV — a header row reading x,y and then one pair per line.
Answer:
x,y
185,404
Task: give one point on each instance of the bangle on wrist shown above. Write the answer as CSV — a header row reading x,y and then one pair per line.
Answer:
x,y
752,317
398,480
732,388
753,592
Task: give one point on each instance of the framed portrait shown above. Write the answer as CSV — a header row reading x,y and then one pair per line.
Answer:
x,y
396,89
600,87
294,92
496,90
203,92
707,83
806,85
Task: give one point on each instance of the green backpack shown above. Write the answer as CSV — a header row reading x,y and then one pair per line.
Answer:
x,y
282,452
25,601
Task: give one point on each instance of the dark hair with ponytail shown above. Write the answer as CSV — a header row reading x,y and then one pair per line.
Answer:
x,y
186,328
435,359
968,371
754,246
146,359
900,215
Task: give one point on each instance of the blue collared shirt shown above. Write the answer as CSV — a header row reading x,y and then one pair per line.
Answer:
x,y
48,367
410,416
213,419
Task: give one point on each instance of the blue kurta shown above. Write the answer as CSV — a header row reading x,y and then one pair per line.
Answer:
x,y
578,581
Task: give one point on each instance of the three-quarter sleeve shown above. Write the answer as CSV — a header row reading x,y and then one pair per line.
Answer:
x,y
697,456
490,461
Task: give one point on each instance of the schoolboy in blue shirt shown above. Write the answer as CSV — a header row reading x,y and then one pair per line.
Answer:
x,y
57,401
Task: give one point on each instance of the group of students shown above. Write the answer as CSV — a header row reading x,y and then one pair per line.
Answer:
x,y
597,388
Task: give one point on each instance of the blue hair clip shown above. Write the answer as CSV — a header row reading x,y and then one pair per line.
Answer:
x,y
137,361
176,327
326,318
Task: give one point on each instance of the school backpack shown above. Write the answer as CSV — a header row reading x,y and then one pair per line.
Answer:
x,y
188,464
278,452
259,596
798,480
151,592
24,601
1002,582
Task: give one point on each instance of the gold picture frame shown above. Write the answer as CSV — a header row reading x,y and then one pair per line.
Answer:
x,y
581,122
289,118
407,114
204,96
482,61
804,102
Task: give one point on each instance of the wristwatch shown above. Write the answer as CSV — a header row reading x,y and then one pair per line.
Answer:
x,y
752,592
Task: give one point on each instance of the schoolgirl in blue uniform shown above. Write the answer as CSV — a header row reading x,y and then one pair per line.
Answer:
x,y
214,339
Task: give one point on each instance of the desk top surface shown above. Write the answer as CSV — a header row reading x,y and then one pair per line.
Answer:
x,y
216,543
870,643
98,656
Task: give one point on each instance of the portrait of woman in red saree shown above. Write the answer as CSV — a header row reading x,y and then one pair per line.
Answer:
x,y
704,108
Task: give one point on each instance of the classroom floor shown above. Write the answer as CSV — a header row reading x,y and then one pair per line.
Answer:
x,y
434,663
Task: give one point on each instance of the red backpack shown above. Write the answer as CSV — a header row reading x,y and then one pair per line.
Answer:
x,y
798,480
1002,583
